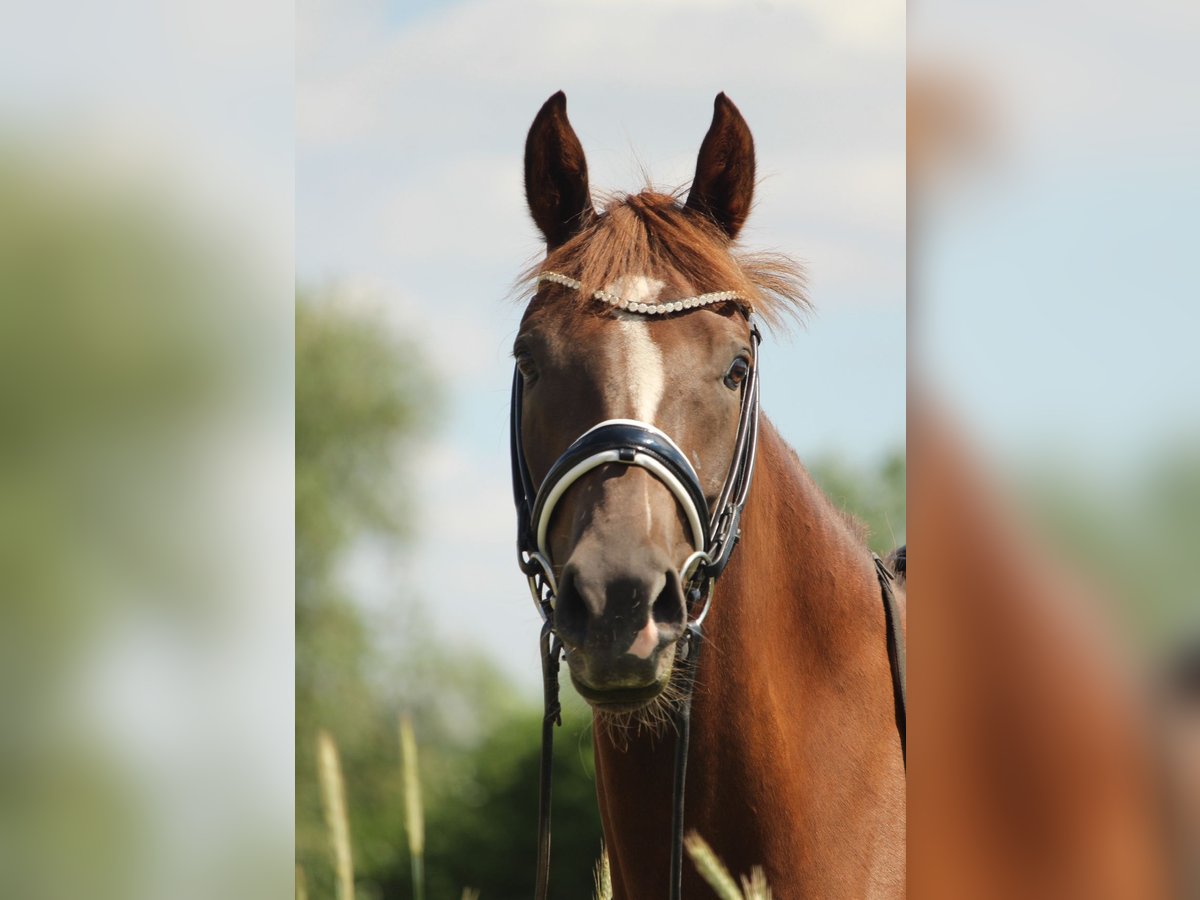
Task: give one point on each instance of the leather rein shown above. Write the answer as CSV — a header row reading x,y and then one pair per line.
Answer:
x,y
715,533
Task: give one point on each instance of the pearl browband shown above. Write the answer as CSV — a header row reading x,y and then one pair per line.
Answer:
x,y
647,308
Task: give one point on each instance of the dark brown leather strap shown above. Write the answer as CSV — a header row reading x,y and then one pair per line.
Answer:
x,y
896,650
551,651
683,733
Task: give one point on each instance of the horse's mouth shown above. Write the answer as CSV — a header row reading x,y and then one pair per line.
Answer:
x,y
619,699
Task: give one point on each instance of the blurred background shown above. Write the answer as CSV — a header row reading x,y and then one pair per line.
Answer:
x,y
1055,204
146,310
1055,435
411,229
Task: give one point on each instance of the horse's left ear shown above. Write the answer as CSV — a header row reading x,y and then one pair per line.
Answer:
x,y
556,179
724,184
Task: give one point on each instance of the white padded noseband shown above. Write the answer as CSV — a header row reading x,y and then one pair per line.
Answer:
x,y
656,468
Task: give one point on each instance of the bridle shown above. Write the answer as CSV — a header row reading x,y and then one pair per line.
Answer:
x,y
630,442
714,533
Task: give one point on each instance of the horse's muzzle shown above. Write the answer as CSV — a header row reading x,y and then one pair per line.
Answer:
x,y
619,628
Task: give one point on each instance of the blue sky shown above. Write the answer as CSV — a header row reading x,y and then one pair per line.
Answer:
x,y
411,122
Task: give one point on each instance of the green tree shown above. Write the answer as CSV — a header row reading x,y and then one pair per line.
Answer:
x,y
357,404
875,496
484,829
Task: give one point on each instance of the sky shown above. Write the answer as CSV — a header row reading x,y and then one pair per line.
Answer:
x,y
411,120
1057,307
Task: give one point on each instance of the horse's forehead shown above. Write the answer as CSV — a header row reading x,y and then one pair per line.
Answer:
x,y
624,354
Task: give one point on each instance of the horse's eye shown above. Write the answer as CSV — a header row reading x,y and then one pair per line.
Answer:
x,y
737,373
527,368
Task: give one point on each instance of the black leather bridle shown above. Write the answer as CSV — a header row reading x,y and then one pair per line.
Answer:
x,y
714,532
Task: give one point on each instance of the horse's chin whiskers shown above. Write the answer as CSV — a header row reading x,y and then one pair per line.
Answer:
x,y
653,719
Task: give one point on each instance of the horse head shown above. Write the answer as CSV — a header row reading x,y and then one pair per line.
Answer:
x,y
640,320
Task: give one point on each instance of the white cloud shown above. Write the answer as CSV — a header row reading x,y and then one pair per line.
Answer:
x,y
424,125
350,85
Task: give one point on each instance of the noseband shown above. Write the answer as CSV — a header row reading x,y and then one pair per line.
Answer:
x,y
714,534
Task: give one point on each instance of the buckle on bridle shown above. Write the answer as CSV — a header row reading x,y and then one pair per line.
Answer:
x,y
542,585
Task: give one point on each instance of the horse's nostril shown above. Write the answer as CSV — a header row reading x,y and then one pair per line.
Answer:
x,y
668,608
570,610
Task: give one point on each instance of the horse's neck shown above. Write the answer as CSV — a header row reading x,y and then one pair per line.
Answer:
x,y
800,561
791,616
798,607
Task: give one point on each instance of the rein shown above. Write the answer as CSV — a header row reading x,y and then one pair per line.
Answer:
x,y
715,532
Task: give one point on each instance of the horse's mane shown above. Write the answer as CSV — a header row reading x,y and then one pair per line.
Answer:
x,y
652,232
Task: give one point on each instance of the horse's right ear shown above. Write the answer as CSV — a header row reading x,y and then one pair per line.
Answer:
x,y
724,184
556,181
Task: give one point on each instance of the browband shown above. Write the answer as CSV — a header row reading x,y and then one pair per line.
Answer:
x,y
650,309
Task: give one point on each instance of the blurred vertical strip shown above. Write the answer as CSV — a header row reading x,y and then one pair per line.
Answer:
x,y
1054,449
146,314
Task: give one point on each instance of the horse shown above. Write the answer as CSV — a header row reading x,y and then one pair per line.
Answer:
x,y
643,317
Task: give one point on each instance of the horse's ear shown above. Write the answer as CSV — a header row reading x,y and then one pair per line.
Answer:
x,y
556,181
724,184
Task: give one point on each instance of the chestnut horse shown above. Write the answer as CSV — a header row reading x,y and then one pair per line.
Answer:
x,y
796,762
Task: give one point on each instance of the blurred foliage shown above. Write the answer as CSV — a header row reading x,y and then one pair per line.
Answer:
x,y
118,364
1134,538
362,399
358,401
875,496
114,355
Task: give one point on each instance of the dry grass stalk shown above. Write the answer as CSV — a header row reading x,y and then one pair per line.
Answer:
x,y
301,884
414,816
603,875
470,894
755,887
714,872
711,868
333,796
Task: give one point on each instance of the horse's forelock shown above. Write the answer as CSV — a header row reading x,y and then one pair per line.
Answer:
x,y
650,233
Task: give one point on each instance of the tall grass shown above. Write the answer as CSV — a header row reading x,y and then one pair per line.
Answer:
x,y
414,816
333,797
